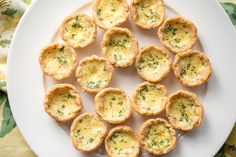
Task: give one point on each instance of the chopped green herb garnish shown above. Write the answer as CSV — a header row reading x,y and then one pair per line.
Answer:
x,y
76,25
113,98
61,60
183,72
94,85
121,113
69,96
90,140
99,11
60,112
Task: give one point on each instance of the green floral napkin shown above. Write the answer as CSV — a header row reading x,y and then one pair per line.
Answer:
x,y
11,142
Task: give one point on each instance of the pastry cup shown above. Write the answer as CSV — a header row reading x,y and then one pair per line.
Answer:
x,y
112,13
120,46
147,14
94,73
122,141
184,110
149,99
87,132
192,68
157,136
58,61
178,34
78,30
153,63
112,105
63,102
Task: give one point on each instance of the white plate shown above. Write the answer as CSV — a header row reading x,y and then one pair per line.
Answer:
x,y
27,84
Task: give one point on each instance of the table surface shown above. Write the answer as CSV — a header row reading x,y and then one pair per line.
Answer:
x,y
11,142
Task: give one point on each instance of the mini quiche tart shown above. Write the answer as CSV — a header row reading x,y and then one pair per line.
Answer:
x,y
192,68
110,13
58,61
149,99
63,102
184,110
178,34
120,46
94,73
122,141
87,132
112,105
147,14
157,136
152,63
78,30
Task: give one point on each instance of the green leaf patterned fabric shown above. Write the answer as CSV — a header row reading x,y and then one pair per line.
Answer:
x,y
8,122
230,9
10,137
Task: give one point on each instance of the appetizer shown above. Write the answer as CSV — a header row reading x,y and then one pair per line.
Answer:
x,y
153,63
112,105
78,30
178,34
94,73
149,98
192,68
157,136
58,61
87,132
147,14
122,141
63,102
184,110
120,46
110,13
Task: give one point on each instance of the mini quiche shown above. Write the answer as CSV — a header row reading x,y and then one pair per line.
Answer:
x,y
110,13
120,46
112,105
192,68
94,73
78,30
149,99
63,102
178,34
153,63
184,110
87,132
122,141
58,61
157,136
147,14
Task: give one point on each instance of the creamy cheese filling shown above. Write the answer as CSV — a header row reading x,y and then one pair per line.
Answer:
x,y
183,112
89,132
58,61
120,48
149,11
114,106
78,30
159,137
153,64
178,35
192,68
109,12
151,99
122,144
95,74
63,103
